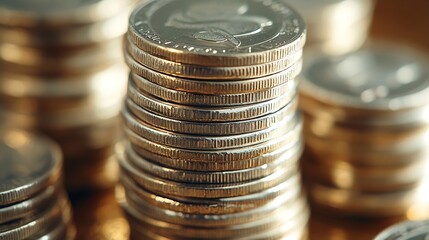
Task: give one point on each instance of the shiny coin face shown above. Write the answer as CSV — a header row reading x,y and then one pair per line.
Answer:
x,y
46,6
373,78
406,231
27,165
184,30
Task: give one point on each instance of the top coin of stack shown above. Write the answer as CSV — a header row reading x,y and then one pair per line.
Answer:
x,y
33,204
61,73
367,130
213,133
336,26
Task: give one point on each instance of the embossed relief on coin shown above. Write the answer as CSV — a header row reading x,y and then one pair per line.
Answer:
x,y
215,27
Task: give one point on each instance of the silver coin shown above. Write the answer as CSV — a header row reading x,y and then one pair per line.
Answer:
x,y
376,78
29,207
200,166
289,140
287,160
27,229
208,114
214,128
211,73
194,190
201,142
282,203
290,189
212,100
56,13
212,87
224,33
409,230
29,164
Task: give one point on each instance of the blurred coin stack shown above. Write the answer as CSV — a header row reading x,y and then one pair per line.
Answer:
x,y
213,133
33,203
335,26
61,73
367,130
407,230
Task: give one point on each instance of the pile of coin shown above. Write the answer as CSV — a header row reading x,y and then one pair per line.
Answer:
x,y
213,133
33,203
62,74
406,231
367,130
336,26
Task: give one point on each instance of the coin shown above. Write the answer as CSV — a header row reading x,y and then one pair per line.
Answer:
x,y
28,228
289,189
207,114
287,140
55,13
28,207
22,174
202,142
281,204
213,87
400,80
407,230
288,160
204,100
222,128
230,34
196,165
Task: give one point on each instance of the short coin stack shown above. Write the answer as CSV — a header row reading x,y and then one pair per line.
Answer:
x,y
213,133
335,26
61,73
33,204
366,129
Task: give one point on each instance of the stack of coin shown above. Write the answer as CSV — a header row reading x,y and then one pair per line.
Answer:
x,y
62,74
213,133
366,130
33,203
336,26
408,230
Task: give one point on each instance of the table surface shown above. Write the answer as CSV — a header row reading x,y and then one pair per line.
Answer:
x,y
98,217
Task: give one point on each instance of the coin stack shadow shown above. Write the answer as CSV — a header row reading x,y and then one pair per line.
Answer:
x,y
33,203
366,131
213,140
336,26
63,75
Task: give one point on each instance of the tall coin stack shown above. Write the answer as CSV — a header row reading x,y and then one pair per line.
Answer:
x,y
33,203
61,73
335,26
213,133
367,131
